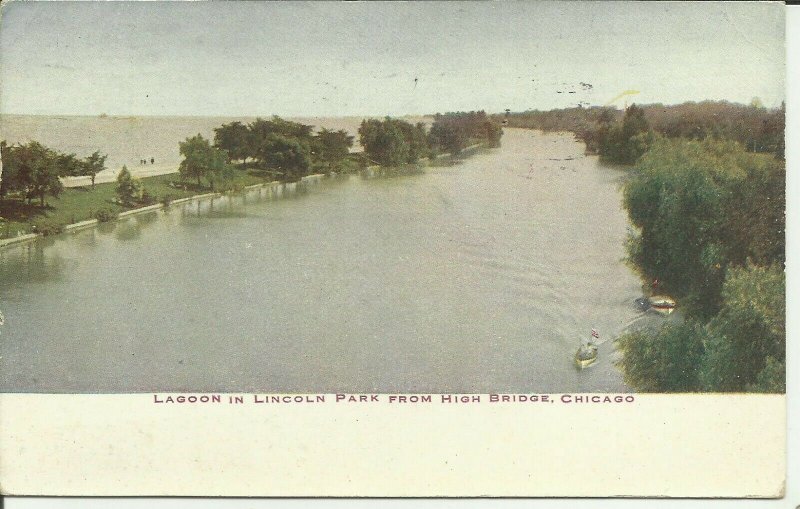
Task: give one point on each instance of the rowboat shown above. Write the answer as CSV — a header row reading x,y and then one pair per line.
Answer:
x,y
586,355
587,352
662,304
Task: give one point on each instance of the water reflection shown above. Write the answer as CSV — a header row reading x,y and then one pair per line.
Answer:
x,y
127,230
375,172
34,262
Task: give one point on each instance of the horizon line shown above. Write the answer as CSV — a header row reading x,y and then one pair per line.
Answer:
x,y
371,115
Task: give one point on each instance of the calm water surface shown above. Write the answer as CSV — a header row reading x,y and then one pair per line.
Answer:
x,y
477,277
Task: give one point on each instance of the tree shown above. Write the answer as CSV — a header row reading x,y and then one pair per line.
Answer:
x,y
94,164
263,133
44,179
68,165
129,188
288,155
665,360
448,137
678,198
493,133
770,379
384,142
276,125
8,169
418,147
747,339
235,139
454,131
201,160
626,142
753,222
217,170
330,148
33,170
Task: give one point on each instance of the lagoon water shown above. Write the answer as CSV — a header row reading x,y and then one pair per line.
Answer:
x,y
481,276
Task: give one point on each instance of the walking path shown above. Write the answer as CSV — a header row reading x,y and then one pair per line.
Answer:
x,y
109,175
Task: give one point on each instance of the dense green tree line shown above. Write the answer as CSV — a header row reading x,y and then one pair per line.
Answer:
x,y
710,227
621,142
393,142
706,195
290,149
741,349
453,132
757,128
32,170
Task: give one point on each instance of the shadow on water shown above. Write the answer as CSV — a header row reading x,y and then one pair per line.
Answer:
x,y
127,230
391,172
35,261
446,162
106,228
131,229
227,214
234,206
146,219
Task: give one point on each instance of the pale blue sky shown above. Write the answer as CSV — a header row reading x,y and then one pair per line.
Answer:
x,y
328,59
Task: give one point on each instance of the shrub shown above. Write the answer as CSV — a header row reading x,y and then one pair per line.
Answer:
x,y
147,198
167,199
47,227
105,215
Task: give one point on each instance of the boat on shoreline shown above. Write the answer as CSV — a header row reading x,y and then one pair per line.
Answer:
x,y
662,304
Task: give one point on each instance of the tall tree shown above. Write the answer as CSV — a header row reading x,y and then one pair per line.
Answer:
x,y
677,197
129,188
665,360
94,164
202,161
748,336
34,172
44,179
68,165
287,155
624,143
235,139
331,147
263,134
385,141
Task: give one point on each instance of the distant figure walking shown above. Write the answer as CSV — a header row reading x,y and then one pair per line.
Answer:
x,y
152,160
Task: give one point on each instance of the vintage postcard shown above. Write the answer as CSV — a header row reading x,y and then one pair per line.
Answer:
x,y
393,249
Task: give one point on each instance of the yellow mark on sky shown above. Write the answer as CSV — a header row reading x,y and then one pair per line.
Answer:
x,y
620,96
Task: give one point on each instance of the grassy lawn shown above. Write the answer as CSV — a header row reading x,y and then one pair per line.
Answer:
x,y
77,204
80,203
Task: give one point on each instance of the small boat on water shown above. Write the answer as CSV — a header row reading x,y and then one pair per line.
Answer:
x,y
586,355
662,304
587,352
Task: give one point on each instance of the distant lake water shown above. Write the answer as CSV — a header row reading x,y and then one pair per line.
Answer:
x,y
482,276
127,140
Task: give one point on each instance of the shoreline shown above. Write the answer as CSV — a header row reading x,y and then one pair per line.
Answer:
x,y
91,223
